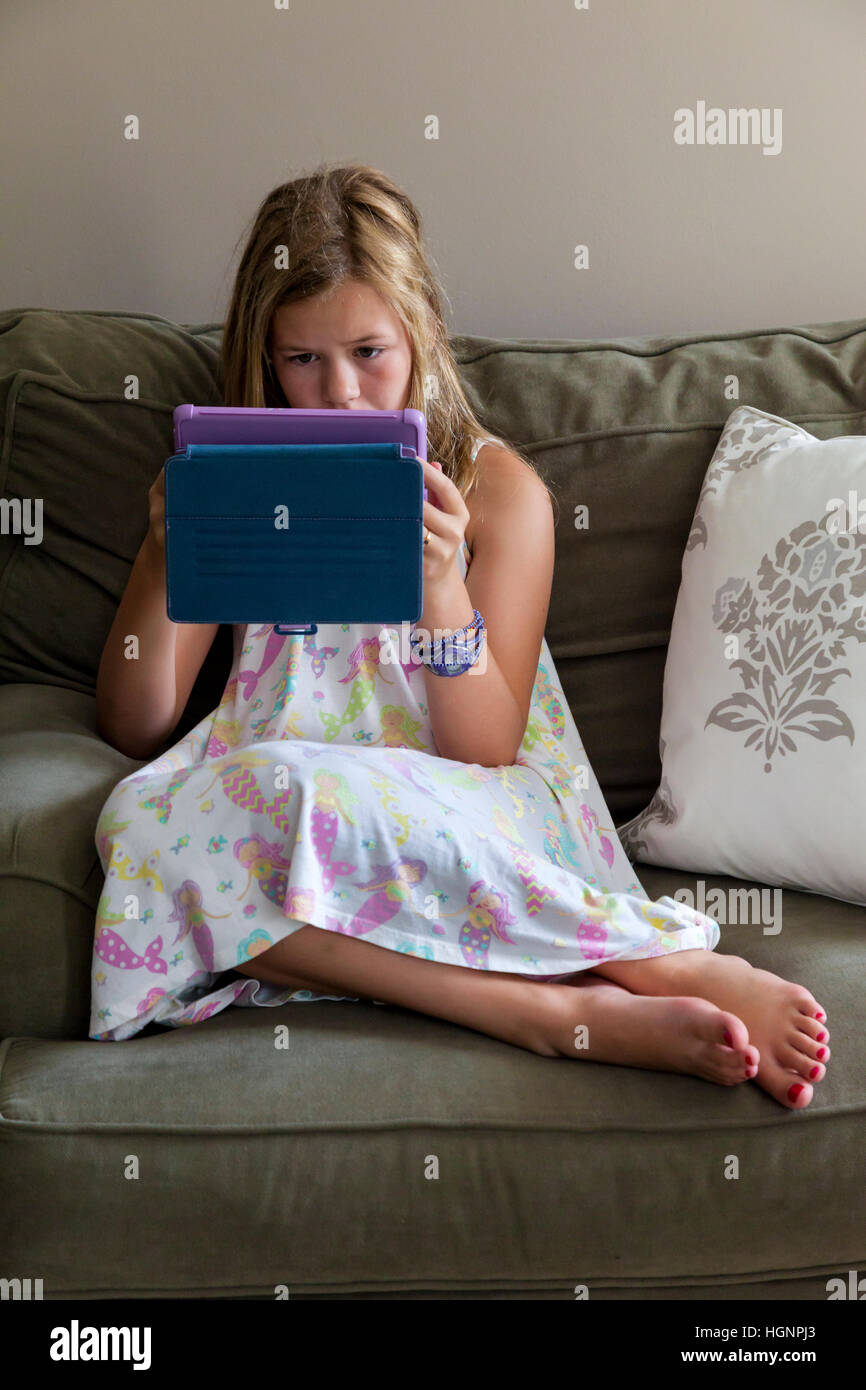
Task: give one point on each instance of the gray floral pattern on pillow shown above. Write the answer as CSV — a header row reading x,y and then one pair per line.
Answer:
x,y
744,428
798,617
661,809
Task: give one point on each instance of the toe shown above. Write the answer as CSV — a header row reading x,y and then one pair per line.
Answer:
x,y
816,1028
788,1088
737,1057
798,1093
814,1051
724,1066
793,1059
732,1031
752,1058
810,1037
801,999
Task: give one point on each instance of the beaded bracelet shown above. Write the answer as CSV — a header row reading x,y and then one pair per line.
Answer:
x,y
454,654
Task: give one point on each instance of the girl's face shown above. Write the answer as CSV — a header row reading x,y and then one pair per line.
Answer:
x,y
348,351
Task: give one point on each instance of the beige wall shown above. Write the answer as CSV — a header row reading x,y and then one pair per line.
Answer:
x,y
556,128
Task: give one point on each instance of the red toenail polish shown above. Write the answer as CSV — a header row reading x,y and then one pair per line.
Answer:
x,y
813,1073
795,1091
821,1053
821,1016
821,1037
728,1039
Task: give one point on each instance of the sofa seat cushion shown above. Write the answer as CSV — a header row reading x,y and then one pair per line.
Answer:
x,y
447,1161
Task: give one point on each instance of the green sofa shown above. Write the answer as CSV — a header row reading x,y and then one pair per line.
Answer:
x,y
309,1168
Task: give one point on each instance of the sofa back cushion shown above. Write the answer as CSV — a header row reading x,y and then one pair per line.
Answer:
x,y
87,401
623,429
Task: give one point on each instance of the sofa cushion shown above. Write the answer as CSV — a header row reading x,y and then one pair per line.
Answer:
x,y
446,1160
625,427
75,438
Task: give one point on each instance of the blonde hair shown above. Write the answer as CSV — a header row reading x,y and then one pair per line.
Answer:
x,y
340,223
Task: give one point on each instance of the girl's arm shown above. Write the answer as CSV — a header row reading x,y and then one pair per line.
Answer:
x,y
142,686
481,716
140,697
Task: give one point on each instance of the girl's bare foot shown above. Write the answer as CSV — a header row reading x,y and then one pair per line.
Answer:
x,y
785,1023
602,1022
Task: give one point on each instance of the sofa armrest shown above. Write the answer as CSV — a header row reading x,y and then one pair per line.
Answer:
x,y
56,774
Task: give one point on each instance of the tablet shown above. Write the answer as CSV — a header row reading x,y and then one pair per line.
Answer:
x,y
218,424
294,534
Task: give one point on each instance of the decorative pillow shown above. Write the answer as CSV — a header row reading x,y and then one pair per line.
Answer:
x,y
763,729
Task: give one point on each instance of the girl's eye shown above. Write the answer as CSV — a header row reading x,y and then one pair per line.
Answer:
x,y
365,348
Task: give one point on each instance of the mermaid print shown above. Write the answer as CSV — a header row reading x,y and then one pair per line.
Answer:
x,y
489,915
161,802
559,845
188,911
225,733
590,819
399,729
113,949
284,692
108,827
121,866
548,701
318,655
409,770
333,799
364,667
242,789
266,862
391,888
248,680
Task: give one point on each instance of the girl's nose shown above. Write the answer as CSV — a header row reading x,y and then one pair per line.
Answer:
x,y
341,388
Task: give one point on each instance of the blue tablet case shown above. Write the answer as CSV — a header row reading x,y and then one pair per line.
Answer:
x,y
292,533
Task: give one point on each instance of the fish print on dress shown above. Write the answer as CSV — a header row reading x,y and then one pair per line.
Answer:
x,y
315,794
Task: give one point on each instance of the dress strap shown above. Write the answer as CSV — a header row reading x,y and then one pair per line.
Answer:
x,y
485,439
464,551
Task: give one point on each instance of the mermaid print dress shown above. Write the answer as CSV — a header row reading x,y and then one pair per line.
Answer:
x,y
314,794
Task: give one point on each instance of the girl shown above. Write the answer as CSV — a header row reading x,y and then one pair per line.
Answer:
x,y
355,821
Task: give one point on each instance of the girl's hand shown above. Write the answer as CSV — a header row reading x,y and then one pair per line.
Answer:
x,y
446,517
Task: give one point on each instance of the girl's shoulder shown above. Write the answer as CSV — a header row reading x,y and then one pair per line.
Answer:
x,y
499,469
